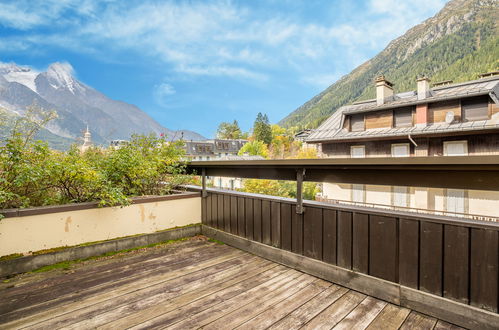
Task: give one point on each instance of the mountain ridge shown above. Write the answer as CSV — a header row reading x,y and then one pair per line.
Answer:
x,y
464,32
76,104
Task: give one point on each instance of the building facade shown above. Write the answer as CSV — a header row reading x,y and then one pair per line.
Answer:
x,y
212,149
440,120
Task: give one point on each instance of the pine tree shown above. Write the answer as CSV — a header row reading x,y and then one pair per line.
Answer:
x,y
261,129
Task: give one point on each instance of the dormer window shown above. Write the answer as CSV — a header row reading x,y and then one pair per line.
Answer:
x,y
357,123
476,108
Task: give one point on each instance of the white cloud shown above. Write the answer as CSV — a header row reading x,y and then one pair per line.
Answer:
x,y
162,92
219,38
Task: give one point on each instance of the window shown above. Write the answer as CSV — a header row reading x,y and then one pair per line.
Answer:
x,y
476,108
358,151
400,150
456,148
455,201
402,118
358,193
357,123
400,196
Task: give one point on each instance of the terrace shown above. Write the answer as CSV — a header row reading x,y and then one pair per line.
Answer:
x,y
291,263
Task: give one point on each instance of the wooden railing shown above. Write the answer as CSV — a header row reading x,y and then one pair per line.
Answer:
x,y
444,266
447,257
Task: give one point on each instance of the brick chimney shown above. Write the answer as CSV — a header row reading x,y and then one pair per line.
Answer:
x,y
384,89
423,88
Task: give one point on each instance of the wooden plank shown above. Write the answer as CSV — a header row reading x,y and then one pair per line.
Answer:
x,y
332,315
214,207
484,269
344,249
456,265
296,231
248,280
441,325
383,260
275,224
306,312
360,243
135,300
204,216
257,223
264,303
390,318
329,241
241,225
409,253
379,119
249,217
106,295
418,321
220,212
362,315
266,227
312,233
204,311
286,225
233,215
430,272
227,213
208,209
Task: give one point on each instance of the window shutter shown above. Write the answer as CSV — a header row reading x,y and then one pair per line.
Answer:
x,y
400,196
357,123
358,193
456,148
400,150
403,118
475,109
358,152
455,200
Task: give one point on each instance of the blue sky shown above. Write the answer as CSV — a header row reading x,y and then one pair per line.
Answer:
x,y
194,64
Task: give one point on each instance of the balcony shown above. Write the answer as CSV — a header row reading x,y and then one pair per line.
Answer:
x,y
289,263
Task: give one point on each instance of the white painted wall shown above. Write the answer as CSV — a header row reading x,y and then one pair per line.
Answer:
x,y
39,232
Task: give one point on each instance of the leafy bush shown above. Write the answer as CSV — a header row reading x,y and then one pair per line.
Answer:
x,y
31,174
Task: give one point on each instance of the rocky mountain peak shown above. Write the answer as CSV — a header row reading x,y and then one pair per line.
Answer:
x,y
60,75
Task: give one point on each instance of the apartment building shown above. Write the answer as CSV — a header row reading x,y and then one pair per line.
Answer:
x,y
212,149
443,119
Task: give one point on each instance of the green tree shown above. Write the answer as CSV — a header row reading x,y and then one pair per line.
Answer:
x,y
261,129
254,148
228,130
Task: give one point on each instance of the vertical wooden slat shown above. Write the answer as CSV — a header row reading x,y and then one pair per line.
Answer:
x,y
344,248
312,233
409,253
214,212
227,213
249,218
275,224
456,265
257,220
430,272
286,226
233,215
329,237
296,231
266,222
203,211
208,209
484,269
220,212
360,242
383,247
241,226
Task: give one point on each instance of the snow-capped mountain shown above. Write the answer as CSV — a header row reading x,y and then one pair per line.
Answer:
x,y
77,104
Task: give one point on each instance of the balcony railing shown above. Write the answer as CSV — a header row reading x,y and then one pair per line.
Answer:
x,y
440,265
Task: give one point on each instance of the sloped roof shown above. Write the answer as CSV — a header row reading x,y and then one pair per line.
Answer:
x,y
332,129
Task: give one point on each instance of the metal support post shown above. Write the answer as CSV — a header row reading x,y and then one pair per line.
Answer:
x,y
300,174
203,182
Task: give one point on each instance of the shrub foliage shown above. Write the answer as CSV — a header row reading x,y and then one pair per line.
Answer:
x,y
31,174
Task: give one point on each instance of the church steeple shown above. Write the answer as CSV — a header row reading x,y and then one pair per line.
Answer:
x,y
87,140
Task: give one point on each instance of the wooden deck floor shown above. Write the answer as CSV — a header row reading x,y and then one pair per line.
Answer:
x,y
195,284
